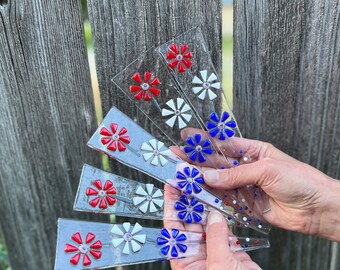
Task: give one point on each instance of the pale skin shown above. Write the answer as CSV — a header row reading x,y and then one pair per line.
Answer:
x,y
301,199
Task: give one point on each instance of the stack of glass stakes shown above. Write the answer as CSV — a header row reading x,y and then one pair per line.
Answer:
x,y
179,94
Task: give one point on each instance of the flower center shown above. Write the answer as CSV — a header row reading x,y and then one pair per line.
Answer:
x,y
177,112
155,152
101,193
190,179
179,57
83,248
221,125
189,209
198,148
115,137
127,236
172,242
206,85
145,86
148,198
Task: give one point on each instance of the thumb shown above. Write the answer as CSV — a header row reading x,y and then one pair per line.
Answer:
x,y
219,255
247,174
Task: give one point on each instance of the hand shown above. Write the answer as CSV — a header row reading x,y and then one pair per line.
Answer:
x,y
219,255
301,198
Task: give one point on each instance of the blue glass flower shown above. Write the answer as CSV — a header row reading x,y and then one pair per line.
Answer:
x,y
189,180
222,127
196,149
172,241
189,209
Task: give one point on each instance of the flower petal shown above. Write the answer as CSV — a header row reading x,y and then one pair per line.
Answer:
x,y
94,202
75,259
89,238
105,132
147,76
135,246
204,74
103,204
77,238
166,112
153,208
187,63
141,191
96,253
170,122
108,184
170,55
149,188
134,88
181,123
121,146
114,127
139,95
158,202
180,67
141,238
144,207
174,48
91,191
155,81
126,226
162,160
155,91
126,249
137,78
70,248
196,80
157,194
138,200
212,77
110,200
202,95
211,95
117,242
116,230
137,228
96,245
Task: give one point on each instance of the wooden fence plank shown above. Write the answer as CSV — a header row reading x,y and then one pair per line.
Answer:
x,y
286,91
47,115
123,29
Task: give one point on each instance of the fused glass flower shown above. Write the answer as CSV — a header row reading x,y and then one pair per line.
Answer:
x,y
179,111
145,87
85,249
103,195
113,139
179,58
129,236
174,242
196,148
189,180
189,209
153,150
148,200
221,127
205,85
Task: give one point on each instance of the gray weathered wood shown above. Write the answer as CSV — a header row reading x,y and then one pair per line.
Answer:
x,y
123,29
287,92
46,117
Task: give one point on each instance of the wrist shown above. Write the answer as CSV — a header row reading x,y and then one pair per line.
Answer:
x,y
327,218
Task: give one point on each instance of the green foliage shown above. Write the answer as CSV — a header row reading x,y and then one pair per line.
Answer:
x,y
4,262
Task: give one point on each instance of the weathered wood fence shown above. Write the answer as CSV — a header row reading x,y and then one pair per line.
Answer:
x,y
286,86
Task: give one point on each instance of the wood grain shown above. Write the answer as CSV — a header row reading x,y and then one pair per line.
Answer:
x,y
123,29
287,92
47,115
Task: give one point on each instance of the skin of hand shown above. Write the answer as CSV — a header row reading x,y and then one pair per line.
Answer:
x,y
219,256
301,198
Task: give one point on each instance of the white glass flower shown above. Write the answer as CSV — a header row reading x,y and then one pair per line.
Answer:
x,y
179,110
206,84
131,238
153,149
148,199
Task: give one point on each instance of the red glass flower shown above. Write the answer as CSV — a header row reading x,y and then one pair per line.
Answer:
x,y
103,195
84,249
179,58
145,86
112,139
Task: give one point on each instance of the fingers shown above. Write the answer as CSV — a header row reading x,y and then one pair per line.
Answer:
x,y
257,173
219,255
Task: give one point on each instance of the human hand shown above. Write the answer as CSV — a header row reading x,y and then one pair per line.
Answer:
x,y
219,255
301,198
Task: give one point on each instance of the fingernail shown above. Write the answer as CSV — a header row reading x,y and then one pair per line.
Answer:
x,y
211,176
214,217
